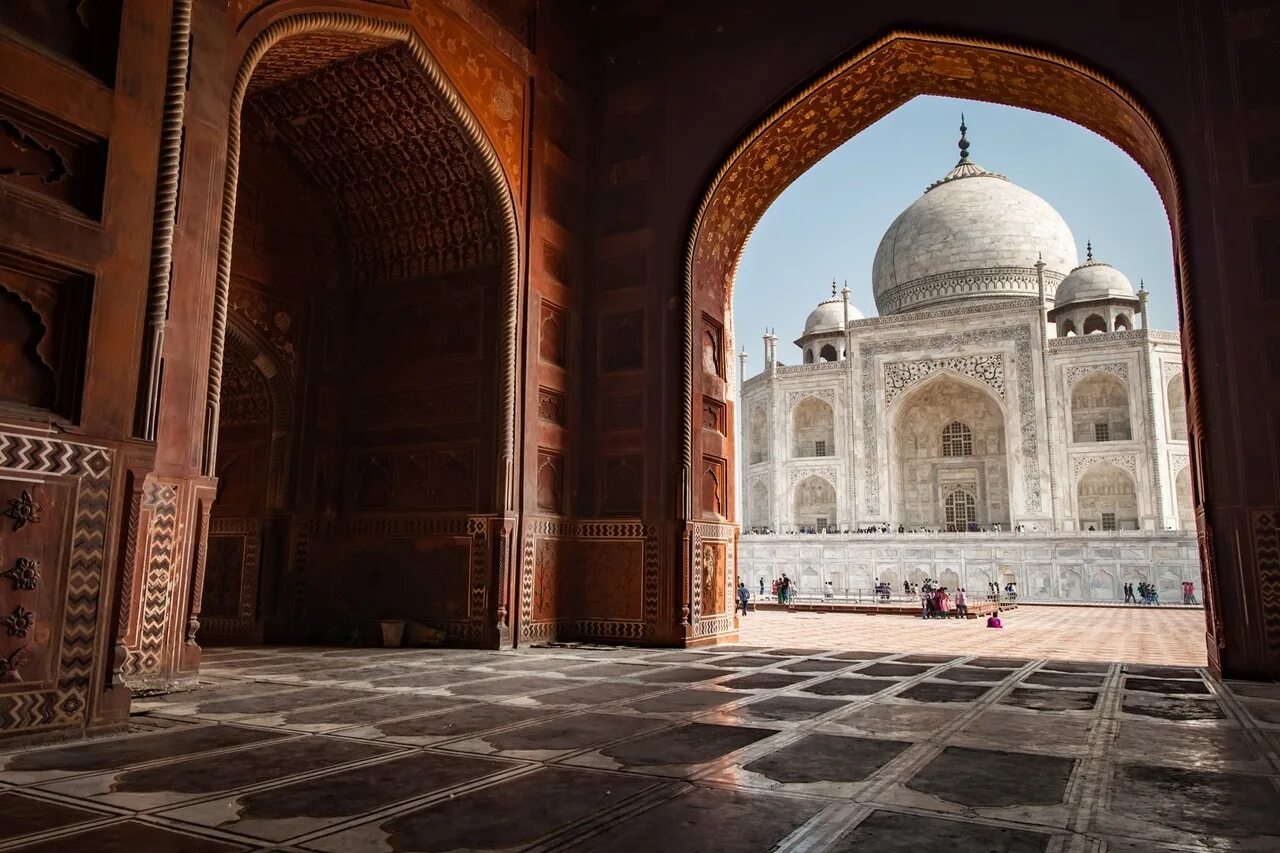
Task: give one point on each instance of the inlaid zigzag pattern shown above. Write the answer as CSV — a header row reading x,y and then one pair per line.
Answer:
x,y
1266,556
92,466
162,500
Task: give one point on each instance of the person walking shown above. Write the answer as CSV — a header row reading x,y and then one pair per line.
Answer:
x,y
1128,594
744,595
762,587
962,605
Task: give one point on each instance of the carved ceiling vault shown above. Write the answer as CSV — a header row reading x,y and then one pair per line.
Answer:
x,y
411,193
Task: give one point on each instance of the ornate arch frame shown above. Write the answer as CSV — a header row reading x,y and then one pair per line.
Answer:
x,y
1101,371
894,410
865,86
804,476
793,407
1103,463
393,31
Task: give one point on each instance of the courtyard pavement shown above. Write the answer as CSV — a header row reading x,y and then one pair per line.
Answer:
x,y
1133,634
740,748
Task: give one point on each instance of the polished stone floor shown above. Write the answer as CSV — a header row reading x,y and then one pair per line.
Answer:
x,y
732,749
1131,633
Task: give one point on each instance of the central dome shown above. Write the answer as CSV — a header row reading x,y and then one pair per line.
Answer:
x,y
973,236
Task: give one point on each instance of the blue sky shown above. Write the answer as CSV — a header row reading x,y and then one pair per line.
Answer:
x,y
828,223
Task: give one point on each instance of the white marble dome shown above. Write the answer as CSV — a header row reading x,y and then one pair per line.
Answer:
x,y
829,317
974,235
1092,281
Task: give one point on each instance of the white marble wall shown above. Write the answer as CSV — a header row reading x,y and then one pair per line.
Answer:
x,y
1063,567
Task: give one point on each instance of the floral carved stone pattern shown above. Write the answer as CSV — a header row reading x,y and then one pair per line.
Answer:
x,y
25,573
20,622
23,510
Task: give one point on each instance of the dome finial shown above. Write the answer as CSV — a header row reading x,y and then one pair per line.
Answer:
x,y
833,287
1088,251
964,141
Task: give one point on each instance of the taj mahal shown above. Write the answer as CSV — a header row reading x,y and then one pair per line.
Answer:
x,y
1009,416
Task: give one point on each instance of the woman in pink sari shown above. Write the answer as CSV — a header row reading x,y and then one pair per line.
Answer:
x,y
944,603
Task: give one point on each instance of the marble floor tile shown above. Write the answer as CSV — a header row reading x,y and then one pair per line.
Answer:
x,y
579,747
132,837
508,816
893,832
174,782
991,779
706,819
275,814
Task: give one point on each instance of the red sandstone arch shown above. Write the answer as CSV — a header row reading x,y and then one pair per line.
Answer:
x,y
859,90
372,30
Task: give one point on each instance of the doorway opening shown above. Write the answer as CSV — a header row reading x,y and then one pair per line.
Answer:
x,y
996,401
362,435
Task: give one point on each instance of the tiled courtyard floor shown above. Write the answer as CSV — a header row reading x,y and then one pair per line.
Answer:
x,y
1134,634
733,749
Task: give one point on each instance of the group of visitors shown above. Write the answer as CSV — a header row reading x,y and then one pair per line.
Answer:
x,y
1189,593
784,589
1145,593
938,603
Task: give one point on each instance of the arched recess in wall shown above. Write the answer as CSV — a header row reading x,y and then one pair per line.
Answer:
x,y
862,88
247,345
373,31
918,422
1100,408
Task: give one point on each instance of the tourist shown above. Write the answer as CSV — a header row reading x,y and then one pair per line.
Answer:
x,y
830,591
962,605
926,605
762,587
1191,594
744,595
945,605
1128,594
786,589
993,621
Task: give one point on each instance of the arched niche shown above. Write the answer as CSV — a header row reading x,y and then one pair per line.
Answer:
x,y
261,398
437,301
1107,498
948,434
1095,324
1123,323
813,428
1183,500
1067,329
1176,406
758,436
814,503
758,506
1100,409
828,353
